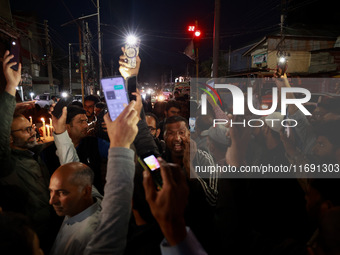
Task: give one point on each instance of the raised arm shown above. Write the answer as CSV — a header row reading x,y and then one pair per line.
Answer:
x,y
65,148
7,107
167,206
110,236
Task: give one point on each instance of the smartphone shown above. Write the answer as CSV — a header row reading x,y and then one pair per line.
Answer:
x,y
192,124
132,87
150,163
58,108
115,95
131,52
15,50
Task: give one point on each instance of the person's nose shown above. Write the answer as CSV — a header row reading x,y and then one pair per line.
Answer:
x,y
53,198
178,137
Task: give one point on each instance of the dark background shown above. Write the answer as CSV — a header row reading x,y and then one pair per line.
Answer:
x,y
162,25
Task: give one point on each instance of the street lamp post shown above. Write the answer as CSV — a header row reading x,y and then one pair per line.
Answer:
x,y
99,49
69,66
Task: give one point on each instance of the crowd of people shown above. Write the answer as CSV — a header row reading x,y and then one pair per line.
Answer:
x,y
86,193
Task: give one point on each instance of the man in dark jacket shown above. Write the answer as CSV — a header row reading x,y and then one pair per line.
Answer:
x,y
21,165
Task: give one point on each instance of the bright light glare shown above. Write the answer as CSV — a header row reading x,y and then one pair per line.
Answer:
x,y
149,91
64,94
31,94
197,33
131,40
161,98
282,59
143,96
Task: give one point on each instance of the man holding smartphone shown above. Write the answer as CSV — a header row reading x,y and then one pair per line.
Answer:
x,y
20,157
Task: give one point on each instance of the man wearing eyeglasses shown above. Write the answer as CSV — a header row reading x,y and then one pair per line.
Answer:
x,y
23,135
153,125
20,161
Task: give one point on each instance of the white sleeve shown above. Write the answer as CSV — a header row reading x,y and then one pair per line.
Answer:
x,y
65,148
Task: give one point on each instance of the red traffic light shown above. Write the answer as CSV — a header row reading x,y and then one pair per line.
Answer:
x,y
197,33
191,28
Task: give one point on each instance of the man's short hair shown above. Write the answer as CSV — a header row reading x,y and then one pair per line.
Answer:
x,y
172,104
72,111
153,116
100,105
83,177
174,119
77,103
93,98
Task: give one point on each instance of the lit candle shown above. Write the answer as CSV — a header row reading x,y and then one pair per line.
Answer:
x,y
51,130
44,128
48,130
31,120
51,122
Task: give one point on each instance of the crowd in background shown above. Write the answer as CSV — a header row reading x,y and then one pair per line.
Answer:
x,y
86,193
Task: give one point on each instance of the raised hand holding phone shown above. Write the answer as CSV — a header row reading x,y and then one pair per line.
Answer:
x,y
13,77
124,69
15,51
59,124
168,204
123,130
115,95
150,163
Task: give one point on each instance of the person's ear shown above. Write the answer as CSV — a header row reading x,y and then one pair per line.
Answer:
x,y
88,191
68,127
158,131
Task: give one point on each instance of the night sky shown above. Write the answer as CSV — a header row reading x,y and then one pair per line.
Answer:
x,y
162,25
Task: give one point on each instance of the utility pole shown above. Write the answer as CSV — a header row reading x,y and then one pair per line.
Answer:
x,y
69,66
216,48
99,48
49,57
30,36
81,65
196,57
88,51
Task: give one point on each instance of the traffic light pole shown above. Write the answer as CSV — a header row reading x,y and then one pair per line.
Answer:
x,y
196,57
216,47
